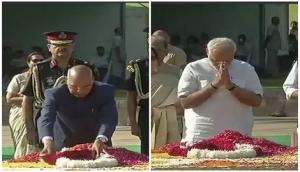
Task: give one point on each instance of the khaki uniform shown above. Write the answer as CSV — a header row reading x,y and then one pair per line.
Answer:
x,y
16,119
165,128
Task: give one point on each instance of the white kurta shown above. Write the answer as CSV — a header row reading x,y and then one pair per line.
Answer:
x,y
291,83
222,110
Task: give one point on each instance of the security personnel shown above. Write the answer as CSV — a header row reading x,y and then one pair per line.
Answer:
x,y
137,86
47,74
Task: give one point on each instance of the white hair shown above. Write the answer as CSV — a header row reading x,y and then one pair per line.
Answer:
x,y
217,43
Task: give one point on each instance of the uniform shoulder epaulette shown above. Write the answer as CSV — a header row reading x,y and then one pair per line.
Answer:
x,y
135,66
130,66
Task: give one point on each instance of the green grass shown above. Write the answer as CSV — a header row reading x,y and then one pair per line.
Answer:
x,y
281,139
7,153
293,12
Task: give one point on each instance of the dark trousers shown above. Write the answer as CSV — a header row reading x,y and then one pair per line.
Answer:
x,y
35,121
143,122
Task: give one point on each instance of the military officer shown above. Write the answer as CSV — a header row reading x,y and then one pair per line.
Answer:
x,y
47,74
137,88
82,111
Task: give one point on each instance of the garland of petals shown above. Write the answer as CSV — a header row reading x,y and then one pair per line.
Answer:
x,y
127,157
226,141
241,151
104,161
84,152
31,157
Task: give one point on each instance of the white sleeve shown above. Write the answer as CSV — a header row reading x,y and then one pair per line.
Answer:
x,y
45,138
187,83
102,138
252,81
291,82
14,85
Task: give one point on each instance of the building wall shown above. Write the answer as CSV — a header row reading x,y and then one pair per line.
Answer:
x,y
24,23
217,19
136,41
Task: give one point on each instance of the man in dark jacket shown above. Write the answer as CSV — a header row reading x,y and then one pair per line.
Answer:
x,y
82,111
